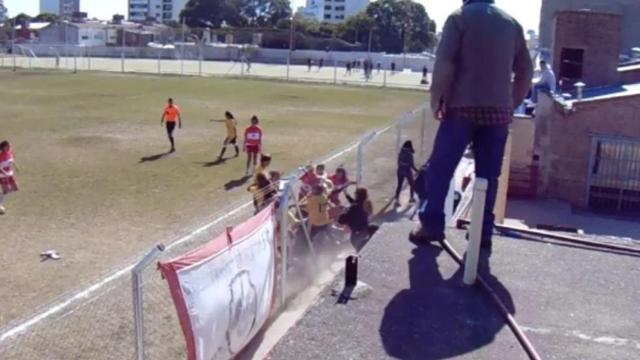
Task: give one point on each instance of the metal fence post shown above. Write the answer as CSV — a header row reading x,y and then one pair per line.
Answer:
x,y
423,124
399,134
284,238
475,231
360,156
335,72
138,301
384,78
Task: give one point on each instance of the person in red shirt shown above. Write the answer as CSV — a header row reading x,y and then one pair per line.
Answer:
x,y
171,115
252,143
7,181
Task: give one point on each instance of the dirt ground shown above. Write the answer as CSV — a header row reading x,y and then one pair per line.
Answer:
x,y
79,141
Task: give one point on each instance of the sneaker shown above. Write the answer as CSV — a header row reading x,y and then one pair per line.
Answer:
x,y
2,210
420,236
172,150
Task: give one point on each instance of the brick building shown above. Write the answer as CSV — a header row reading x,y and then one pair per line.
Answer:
x,y
588,141
628,9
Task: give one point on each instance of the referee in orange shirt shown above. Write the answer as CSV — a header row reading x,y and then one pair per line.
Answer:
x,y
171,115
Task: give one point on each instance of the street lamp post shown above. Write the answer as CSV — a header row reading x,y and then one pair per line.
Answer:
x,y
290,48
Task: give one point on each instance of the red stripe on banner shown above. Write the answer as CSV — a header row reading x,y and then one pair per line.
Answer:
x,y
210,250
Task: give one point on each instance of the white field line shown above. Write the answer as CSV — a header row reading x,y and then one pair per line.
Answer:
x,y
87,292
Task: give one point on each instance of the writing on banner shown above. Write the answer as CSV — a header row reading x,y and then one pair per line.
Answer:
x,y
223,291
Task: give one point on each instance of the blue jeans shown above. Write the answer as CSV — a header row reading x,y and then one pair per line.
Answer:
x,y
453,137
539,88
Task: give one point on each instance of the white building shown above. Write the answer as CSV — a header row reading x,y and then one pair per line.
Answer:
x,y
64,8
333,11
160,10
3,11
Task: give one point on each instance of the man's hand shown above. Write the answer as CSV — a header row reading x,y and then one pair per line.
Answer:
x,y
438,110
161,122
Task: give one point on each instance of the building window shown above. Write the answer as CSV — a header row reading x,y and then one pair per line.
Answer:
x,y
327,17
339,17
571,64
339,8
85,37
327,7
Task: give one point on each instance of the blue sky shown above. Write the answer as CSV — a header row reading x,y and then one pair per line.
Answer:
x,y
526,11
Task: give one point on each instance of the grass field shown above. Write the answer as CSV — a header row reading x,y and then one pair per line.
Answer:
x,y
79,139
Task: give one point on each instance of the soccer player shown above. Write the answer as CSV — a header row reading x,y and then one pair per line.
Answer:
x,y
252,143
7,181
171,115
232,134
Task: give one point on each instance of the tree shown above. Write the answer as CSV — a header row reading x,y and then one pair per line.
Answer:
x,y
212,13
235,13
46,17
401,25
357,28
265,13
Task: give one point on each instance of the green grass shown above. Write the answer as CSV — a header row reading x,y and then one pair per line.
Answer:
x,y
78,140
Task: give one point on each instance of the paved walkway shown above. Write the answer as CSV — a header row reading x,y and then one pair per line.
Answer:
x,y
572,303
330,75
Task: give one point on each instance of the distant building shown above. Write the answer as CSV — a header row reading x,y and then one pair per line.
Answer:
x,y
629,9
3,11
158,10
333,11
64,8
95,33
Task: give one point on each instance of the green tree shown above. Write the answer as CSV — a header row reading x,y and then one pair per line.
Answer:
x,y
357,28
265,13
212,13
46,17
235,13
401,25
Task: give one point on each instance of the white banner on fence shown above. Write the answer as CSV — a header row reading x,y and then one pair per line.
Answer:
x,y
223,292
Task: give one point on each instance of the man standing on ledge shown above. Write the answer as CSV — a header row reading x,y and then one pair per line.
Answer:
x,y
170,115
483,71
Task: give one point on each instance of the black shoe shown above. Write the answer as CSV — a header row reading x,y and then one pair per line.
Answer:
x,y
172,150
420,237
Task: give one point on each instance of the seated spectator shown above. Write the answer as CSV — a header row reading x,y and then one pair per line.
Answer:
x,y
357,217
340,182
546,84
317,207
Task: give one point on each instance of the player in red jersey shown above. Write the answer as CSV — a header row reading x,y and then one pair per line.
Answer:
x,y
252,143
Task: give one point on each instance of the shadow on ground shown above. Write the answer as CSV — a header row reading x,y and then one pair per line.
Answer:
x,y
438,318
236,183
153,158
212,163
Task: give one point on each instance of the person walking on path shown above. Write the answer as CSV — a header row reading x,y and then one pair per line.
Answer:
x,y
170,116
7,180
232,134
406,167
482,73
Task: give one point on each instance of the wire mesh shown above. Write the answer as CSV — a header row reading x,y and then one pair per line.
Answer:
x,y
99,324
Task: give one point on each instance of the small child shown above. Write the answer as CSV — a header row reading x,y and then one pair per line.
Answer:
x,y
7,181
340,182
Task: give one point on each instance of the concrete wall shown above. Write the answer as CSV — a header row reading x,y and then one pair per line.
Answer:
x,y
630,75
599,35
563,141
629,8
523,130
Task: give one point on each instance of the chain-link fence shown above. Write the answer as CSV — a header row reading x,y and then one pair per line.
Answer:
x,y
221,60
97,322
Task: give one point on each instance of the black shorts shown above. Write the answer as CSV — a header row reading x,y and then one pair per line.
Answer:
x,y
171,125
231,140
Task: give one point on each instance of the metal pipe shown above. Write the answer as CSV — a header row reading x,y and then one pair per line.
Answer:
x,y
138,301
475,233
511,321
290,48
560,237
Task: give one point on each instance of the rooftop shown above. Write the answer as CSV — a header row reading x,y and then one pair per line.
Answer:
x,y
601,93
